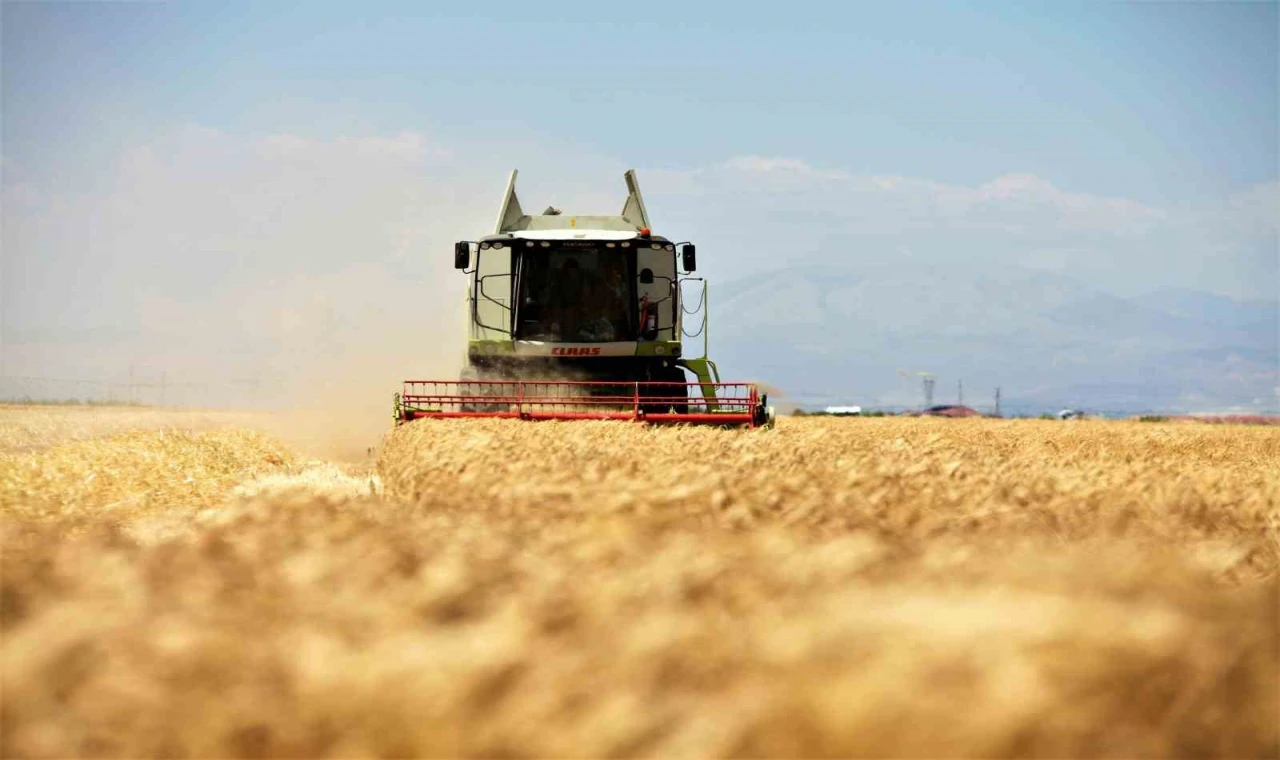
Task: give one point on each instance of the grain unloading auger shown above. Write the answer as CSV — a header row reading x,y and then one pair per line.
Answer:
x,y
578,318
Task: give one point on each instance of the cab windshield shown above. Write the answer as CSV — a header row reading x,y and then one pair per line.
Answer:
x,y
578,294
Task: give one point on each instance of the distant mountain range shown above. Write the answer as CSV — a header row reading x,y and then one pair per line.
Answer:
x,y
825,335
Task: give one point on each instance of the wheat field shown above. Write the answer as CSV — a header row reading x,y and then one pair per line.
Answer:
x,y
833,587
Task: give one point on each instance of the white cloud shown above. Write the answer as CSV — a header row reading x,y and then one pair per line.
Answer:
x,y
405,147
780,166
1009,202
772,212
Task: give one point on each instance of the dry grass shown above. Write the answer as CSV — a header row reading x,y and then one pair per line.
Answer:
x,y
31,427
833,587
126,476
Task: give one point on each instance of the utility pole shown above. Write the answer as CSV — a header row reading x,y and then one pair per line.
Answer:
x,y
997,401
928,391
960,393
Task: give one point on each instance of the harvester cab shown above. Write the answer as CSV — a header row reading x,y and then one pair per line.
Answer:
x,y
582,317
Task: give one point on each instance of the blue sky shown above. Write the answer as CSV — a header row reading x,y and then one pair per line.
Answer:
x,y
1155,102
168,163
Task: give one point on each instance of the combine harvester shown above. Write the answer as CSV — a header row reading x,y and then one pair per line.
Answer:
x,y
582,318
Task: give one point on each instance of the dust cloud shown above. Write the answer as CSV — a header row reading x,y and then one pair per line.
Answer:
x,y
352,341
283,273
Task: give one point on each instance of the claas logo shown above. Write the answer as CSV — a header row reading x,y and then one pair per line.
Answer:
x,y
575,351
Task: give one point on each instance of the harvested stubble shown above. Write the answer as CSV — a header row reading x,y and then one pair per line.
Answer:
x,y
833,587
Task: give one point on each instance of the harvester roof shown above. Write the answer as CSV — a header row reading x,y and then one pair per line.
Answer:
x,y
561,226
574,233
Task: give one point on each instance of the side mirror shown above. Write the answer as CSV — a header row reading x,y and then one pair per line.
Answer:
x,y
689,257
646,276
461,254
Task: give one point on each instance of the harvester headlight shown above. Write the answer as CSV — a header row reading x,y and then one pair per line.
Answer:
x,y
545,244
656,246
528,244
497,246
670,247
660,350
625,245
610,245
484,246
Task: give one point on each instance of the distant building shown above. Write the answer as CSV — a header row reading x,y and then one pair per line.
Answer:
x,y
845,411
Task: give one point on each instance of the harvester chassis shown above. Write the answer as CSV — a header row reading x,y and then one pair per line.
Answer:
x,y
581,317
